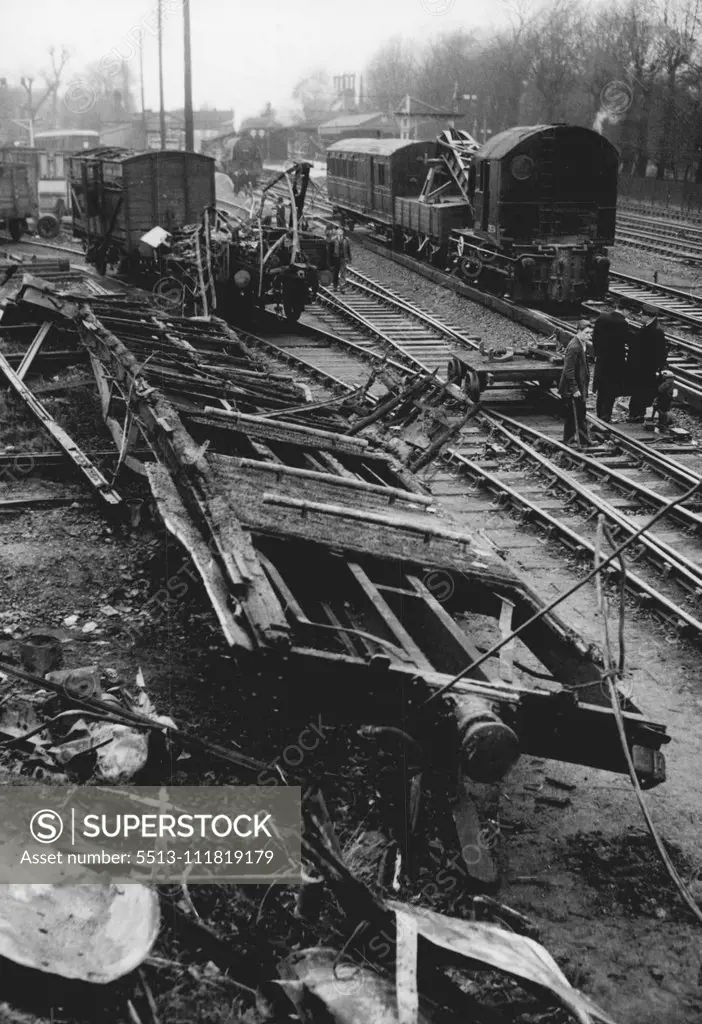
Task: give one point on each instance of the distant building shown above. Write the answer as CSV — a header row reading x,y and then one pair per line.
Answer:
x,y
422,122
217,146
304,142
270,134
143,131
358,126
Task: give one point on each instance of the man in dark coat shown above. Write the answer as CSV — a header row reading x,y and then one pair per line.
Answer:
x,y
609,341
647,359
280,214
573,386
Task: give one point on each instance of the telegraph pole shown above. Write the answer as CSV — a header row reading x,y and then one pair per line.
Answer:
x,y
162,108
143,98
188,110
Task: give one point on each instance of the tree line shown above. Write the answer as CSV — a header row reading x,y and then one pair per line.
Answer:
x,y
631,69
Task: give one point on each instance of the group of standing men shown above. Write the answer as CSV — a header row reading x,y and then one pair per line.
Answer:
x,y
624,364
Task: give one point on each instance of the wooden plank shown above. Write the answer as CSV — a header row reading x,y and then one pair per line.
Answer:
x,y
343,485
453,636
391,621
421,526
81,460
28,358
180,525
292,433
507,652
335,466
105,391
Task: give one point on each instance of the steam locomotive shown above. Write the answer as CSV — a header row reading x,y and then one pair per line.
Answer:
x,y
243,162
528,215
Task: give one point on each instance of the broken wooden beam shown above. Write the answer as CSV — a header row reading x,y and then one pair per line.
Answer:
x,y
345,483
28,357
92,474
425,457
277,430
197,486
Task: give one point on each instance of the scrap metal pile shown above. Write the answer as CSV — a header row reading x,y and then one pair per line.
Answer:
x,y
316,547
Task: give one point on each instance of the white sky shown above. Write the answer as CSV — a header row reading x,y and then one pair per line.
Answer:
x,y
245,52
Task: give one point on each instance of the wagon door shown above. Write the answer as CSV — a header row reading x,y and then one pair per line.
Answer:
x,y
370,183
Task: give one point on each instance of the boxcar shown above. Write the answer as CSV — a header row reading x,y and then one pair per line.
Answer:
x,y
118,196
19,188
364,176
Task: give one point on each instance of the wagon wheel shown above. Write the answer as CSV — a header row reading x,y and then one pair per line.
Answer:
x,y
487,252
471,385
169,293
471,267
48,226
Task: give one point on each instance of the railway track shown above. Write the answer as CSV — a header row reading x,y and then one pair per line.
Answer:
x,y
651,240
510,461
660,227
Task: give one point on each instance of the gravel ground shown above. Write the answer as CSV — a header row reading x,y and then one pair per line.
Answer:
x,y
472,318
672,273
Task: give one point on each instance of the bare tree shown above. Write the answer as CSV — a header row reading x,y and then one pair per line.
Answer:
x,y
448,67
315,94
677,34
557,61
391,74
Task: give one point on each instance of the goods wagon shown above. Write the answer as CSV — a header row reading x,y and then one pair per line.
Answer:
x,y
118,196
20,193
19,189
529,214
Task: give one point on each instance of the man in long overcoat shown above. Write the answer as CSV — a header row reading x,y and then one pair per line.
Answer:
x,y
609,340
647,359
573,386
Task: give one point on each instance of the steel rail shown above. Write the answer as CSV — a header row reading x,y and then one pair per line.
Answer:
x,y
688,518
660,553
688,573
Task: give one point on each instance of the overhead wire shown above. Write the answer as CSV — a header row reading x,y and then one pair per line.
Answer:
x,y
603,608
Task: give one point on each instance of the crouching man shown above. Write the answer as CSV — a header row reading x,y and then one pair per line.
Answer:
x,y
663,402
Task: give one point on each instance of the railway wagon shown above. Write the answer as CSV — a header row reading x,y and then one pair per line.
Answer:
x,y
19,188
364,176
118,196
529,214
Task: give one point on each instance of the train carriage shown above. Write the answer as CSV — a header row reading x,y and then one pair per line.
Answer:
x,y
364,176
119,196
529,214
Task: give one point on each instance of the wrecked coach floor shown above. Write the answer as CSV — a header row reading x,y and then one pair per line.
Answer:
x,y
361,785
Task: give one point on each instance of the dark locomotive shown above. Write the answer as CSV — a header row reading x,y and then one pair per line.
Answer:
x,y
243,162
152,216
528,215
